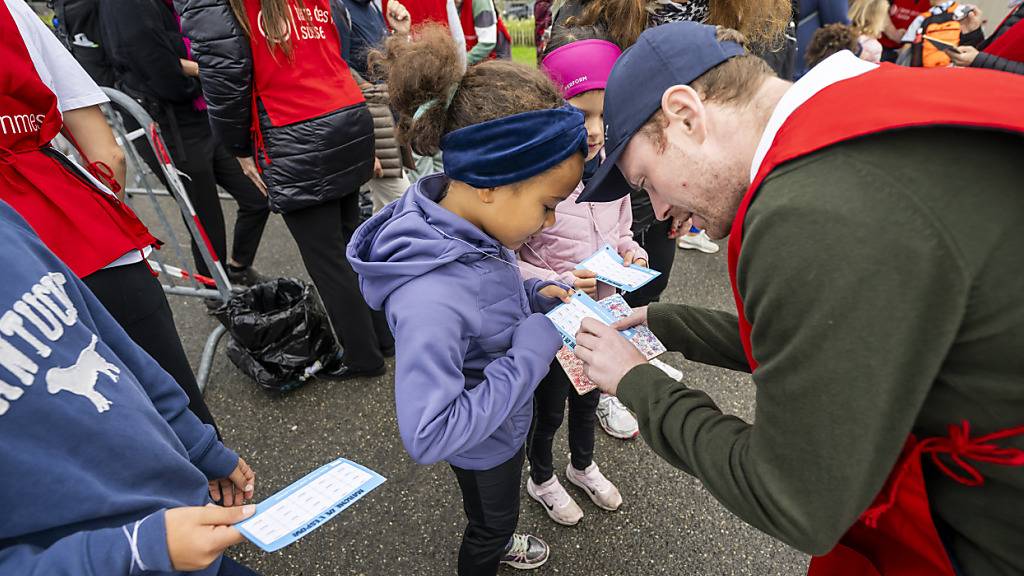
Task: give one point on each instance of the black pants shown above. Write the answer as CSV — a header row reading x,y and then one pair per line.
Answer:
x,y
229,567
661,253
491,500
549,411
322,232
134,298
207,163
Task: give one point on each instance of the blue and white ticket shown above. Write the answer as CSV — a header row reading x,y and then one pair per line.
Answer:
x,y
607,265
568,317
308,503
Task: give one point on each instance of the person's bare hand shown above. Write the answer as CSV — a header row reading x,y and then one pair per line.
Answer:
x,y
586,282
553,291
606,355
249,169
398,18
189,67
198,535
973,20
236,488
966,56
638,317
378,169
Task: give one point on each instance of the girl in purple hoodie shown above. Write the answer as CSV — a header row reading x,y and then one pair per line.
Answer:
x,y
578,60
472,342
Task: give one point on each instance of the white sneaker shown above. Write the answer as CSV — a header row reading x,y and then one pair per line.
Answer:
x,y
556,501
602,492
698,241
616,420
673,373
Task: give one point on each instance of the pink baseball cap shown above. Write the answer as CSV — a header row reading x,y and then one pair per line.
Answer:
x,y
581,66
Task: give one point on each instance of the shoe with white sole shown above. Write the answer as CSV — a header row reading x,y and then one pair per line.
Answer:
x,y
525,552
698,241
602,492
616,419
556,501
673,373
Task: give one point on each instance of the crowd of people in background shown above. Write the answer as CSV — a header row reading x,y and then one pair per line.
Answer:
x,y
480,172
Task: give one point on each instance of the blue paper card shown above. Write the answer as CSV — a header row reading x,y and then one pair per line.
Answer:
x,y
568,317
607,265
308,503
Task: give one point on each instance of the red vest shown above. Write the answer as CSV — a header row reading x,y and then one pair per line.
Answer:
x,y
1010,44
422,11
895,536
86,227
902,13
314,80
469,27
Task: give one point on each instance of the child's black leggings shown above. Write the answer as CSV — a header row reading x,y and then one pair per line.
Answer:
x,y
549,402
491,500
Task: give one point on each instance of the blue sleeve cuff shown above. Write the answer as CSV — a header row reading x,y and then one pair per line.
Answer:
x,y
212,457
147,540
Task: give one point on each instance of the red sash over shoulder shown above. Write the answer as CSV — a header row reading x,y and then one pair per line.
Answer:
x,y
896,535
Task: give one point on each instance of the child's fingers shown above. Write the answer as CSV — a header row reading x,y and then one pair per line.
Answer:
x,y
215,494
584,273
627,258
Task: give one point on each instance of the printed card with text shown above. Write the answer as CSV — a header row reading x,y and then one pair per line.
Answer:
x,y
308,503
607,264
641,337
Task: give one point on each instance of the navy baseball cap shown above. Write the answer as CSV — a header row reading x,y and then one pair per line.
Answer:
x,y
664,56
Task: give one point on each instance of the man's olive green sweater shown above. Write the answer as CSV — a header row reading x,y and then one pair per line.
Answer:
x,y
884,279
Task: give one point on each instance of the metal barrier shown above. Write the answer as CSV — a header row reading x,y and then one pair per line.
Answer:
x,y
175,278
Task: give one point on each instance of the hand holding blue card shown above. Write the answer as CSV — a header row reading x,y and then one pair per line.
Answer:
x,y
568,317
610,269
308,503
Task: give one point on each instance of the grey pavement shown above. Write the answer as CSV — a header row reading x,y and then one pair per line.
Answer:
x,y
668,524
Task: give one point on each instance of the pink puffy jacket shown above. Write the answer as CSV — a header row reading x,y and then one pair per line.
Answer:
x,y
579,231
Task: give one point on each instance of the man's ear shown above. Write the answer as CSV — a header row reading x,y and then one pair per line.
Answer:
x,y
685,113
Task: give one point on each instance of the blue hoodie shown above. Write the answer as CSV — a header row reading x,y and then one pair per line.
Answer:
x,y
97,440
471,342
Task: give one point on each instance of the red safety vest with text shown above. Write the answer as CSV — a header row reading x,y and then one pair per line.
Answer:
x,y
85,226
895,536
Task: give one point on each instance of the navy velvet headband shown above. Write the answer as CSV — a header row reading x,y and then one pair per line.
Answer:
x,y
513,148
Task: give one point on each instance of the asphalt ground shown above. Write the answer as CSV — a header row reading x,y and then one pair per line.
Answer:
x,y
412,525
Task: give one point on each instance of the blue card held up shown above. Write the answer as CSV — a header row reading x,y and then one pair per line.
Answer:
x,y
607,265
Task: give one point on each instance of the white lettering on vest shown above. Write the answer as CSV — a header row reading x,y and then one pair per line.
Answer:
x,y
21,123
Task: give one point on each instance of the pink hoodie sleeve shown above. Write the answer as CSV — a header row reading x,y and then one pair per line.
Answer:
x,y
624,232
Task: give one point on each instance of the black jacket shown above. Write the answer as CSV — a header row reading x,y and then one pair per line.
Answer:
x,y
311,162
143,42
992,62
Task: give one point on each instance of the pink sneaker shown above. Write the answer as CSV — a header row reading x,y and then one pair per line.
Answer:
x,y
602,492
556,501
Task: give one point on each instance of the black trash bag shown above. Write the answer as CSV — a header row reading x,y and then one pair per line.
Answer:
x,y
280,336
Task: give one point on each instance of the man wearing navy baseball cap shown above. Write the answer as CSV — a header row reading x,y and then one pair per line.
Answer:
x,y
884,342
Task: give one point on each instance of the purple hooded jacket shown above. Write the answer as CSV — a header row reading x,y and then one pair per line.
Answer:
x,y
470,340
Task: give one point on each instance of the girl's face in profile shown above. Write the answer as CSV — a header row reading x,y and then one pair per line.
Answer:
x,y
591,103
514,213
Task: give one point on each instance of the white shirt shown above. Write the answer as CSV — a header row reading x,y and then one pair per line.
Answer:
x,y
64,77
840,66
55,65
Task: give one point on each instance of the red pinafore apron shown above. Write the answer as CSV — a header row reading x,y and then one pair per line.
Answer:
x,y
895,536
86,227
469,28
1011,44
311,82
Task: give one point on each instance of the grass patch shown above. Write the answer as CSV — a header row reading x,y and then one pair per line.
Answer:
x,y
525,55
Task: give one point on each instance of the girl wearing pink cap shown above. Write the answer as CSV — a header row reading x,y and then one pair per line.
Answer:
x,y
579,61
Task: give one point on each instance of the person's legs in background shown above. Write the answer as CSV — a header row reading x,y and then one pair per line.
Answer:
x,y
350,220
135,299
549,412
697,239
251,218
319,233
384,191
661,252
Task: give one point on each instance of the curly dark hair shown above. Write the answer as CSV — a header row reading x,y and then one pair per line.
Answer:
x,y
427,68
828,40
